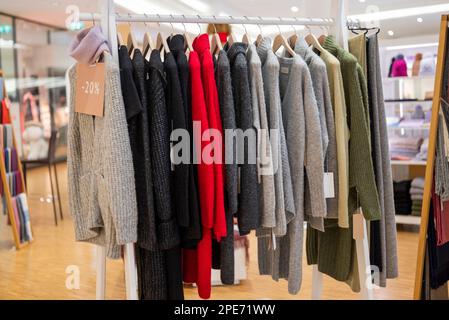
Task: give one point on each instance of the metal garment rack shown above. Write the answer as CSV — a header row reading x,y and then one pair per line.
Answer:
x,y
337,26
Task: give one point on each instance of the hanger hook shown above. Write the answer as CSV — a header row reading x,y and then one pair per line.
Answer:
x,y
279,27
159,23
199,27
93,19
213,24
183,24
129,21
172,28
145,23
243,25
260,28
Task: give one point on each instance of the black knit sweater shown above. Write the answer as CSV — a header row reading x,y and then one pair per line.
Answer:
x,y
248,202
150,259
168,233
191,233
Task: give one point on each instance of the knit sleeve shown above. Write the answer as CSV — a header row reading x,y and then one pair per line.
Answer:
x,y
118,171
248,201
74,163
361,163
159,128
314,158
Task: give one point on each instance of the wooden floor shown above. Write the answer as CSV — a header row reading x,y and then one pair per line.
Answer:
x,y
39,270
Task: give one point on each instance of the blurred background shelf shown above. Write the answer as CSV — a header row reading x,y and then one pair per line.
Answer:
x,y
409,220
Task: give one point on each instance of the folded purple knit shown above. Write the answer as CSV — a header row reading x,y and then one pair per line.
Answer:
x,y
88,45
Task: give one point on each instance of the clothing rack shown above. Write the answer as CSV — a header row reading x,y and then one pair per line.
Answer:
x,y
337,25
7,192
438,87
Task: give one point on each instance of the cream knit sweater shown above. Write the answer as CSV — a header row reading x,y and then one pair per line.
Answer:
x,y
102,195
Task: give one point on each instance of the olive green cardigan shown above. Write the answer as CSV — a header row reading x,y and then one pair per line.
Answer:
x,y
334,250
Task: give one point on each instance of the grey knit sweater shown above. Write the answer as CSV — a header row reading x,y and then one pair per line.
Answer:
x,y
227,112
260,122
248,202
381,151
284,202
318,72
102,195
305,151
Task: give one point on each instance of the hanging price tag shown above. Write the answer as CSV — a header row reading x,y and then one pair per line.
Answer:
x,y
329,190
90,89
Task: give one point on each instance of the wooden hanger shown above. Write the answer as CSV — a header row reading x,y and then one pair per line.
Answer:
x,y
131,42
246,39
313,41
187,39
279,41
120,39
148,44
231,37
260,35
215,45
161,42
293,38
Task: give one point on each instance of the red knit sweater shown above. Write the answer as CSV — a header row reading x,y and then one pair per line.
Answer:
x,y
205,108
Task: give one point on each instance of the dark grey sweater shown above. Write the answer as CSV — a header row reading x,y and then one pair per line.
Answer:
x,y
227,112
248,206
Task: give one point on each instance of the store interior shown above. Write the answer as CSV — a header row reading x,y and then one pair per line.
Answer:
x,y
42,260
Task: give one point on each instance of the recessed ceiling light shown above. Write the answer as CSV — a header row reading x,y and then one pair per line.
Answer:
x,y
362,1
419,19
294,9
390,33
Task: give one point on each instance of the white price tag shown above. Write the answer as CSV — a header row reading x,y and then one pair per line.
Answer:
x,y
329,190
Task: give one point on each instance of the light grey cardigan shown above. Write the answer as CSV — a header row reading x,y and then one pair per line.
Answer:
x,y
284,204
305,151
318,72
102,195
260,122
381,151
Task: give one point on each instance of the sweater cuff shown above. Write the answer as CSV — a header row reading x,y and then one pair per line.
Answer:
x,y
168,235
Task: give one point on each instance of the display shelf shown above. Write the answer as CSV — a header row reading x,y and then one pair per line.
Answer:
x,y
423,127
408,220
415,78
407,101
408,163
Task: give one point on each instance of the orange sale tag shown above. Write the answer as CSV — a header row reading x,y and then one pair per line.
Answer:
x,y
90,89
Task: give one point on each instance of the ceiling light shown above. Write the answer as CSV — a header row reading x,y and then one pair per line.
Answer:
x,y
400,13
197,5
390,33
142,6
294,9
420,20
362,1
412,46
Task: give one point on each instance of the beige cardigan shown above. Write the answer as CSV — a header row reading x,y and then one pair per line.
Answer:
x,y
102,194
341,133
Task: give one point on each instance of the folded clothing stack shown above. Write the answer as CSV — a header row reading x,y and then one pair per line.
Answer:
x,y
422,155
402,199
405,148
416,194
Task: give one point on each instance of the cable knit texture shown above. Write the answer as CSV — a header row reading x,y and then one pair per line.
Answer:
x,y
224,88
260,123
101,185
248,204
